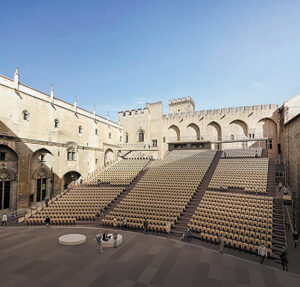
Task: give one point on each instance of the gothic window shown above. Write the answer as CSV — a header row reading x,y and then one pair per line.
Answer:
x,y
80,130
4,194
109,135
141,136
126,138
56,123
41,184
25,115
96,132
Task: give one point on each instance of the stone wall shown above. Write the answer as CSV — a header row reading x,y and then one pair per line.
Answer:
x,y
34,123
290,146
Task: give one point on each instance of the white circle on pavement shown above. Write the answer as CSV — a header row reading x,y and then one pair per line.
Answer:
x,y
72,239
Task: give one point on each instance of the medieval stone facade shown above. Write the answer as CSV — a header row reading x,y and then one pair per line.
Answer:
x,y
46,143
183,127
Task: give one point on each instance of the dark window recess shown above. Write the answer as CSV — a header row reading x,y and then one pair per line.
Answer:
x,y
141,137
2,155
154,143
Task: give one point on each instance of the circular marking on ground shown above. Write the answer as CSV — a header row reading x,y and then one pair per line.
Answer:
x,y
72,239
110,242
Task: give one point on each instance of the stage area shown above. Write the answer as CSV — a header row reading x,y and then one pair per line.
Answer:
x,y
32,256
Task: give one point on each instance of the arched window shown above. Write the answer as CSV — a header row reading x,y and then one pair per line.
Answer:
x,y
56,123
96,132
141,136
109,135
126,138
232,137
26,115
80,130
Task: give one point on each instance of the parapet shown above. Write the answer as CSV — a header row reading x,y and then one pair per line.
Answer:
x,y
181,101
134,112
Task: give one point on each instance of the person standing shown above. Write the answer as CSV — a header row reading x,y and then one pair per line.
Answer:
x,y
47,221
168,229
115,223
124,223
115,237
284,260
221,244
279,186
46,201
4,219
145,225
221,186
98,239
14,216
262,252
101,213
295,235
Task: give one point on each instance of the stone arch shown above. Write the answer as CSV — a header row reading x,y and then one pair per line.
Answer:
x,y
8,176
69,177
215,131
174,132
71,145
239,128
109,156
41,175
41,172
196,130
268,127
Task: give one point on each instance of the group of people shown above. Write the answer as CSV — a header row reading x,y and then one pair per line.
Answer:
x,y
99,238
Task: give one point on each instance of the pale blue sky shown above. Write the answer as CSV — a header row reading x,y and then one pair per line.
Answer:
x,y
121,54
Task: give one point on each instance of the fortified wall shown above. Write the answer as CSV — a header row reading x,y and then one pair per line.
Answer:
x,y
184,124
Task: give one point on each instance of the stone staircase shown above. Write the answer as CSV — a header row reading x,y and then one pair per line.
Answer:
x,y
192,206
127,190
278,235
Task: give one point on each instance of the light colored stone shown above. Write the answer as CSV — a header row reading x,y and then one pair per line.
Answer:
x,y
72,239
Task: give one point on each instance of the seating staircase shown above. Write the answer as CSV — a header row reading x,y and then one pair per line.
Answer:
x,y
278,235
127,190
192,206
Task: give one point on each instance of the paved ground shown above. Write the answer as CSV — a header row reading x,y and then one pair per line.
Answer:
x,y
31,256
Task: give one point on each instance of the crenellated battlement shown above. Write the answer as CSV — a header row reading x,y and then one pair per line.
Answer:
x,y
223,111
134,112
181,101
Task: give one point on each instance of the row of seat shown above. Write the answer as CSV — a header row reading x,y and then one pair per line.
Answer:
x,y
80,203
242,152
240,227
163,193
250,174
121,173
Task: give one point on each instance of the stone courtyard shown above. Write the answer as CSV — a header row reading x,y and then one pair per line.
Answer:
x,y
33,257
